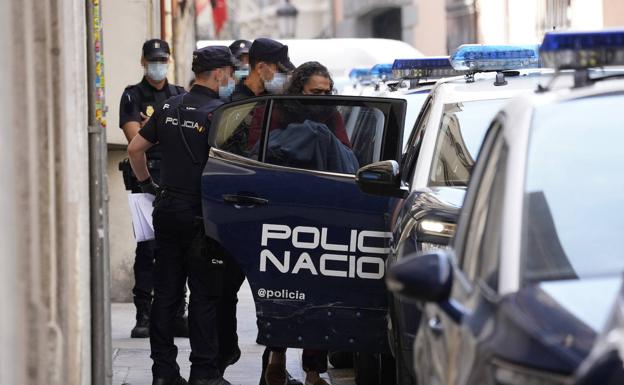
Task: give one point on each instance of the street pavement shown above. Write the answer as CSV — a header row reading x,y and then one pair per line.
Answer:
x,y
131,362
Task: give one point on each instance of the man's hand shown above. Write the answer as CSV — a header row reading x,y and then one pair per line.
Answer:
x,y
148,186
144,119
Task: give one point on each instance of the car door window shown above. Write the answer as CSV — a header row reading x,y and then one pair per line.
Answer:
x,y
488,257
413,146
478,208
239,128
322,136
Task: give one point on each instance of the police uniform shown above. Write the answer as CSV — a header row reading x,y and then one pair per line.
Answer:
x,y
180,126
136,99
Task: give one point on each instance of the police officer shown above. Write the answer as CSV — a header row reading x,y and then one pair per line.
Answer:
x,y
269,65
136,106
240,50
180,126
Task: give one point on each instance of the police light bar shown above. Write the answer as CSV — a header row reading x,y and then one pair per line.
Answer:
x,y
430,67
581,50
381,71
359,73
484,58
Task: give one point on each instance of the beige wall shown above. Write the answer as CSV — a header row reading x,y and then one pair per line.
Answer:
x,y
430,28
127,24
613,13
121,237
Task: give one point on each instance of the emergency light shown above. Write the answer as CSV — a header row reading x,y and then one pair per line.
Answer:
x,y
359,73
381,71
582,50
430,67
484,58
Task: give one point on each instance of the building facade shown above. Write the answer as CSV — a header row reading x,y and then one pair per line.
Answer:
x,y
421,23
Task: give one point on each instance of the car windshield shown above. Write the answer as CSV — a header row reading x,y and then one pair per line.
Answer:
x,y
574,205
462,129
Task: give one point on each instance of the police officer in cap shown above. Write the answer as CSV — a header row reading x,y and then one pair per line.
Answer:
x,y
180,126
240,50
269,65
137,105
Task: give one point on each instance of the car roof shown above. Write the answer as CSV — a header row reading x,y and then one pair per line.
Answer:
x,y
457,89
529,102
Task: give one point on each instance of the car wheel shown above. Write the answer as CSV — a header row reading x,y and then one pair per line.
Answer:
x,y
403,374
341,360
366,367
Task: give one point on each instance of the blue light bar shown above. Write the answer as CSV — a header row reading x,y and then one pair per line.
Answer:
x,y
580,50
359,73
484,58
434,67
381,71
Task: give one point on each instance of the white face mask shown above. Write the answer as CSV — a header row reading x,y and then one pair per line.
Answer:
x,y
156,71
277,84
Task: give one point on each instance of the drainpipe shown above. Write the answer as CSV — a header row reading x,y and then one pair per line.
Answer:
x,y
101,354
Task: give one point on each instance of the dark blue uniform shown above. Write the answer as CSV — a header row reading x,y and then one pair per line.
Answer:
x,y
136,99
180,126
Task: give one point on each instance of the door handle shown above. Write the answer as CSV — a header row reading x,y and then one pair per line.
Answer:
x,y
244,200
435,325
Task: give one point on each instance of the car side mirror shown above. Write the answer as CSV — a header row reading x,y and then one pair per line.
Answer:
x,y
381,178
424,277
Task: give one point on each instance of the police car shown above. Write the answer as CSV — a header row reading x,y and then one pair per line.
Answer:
x,y
431,178
535,265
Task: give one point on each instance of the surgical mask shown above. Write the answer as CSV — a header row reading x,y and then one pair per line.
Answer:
x,y
241,73
226,91
156,71
277,84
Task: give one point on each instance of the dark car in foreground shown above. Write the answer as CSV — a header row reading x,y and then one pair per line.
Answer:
x,y
536,264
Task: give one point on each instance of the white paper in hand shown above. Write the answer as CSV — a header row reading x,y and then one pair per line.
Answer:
x,y
141,207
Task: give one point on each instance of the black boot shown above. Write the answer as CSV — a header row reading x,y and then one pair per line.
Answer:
x,y
180,323
141,329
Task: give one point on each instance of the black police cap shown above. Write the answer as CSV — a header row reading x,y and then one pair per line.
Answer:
x,y
240,47
271,51
155,49
212,57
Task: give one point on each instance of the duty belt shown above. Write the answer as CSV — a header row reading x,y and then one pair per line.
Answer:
x,y
179,194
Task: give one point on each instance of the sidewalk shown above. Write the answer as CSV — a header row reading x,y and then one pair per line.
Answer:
x,y
131,362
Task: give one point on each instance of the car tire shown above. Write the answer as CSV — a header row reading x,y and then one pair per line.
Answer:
x,y
402,373
341,360
367,368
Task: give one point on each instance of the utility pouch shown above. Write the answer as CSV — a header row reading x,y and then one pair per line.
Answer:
x,y
130,181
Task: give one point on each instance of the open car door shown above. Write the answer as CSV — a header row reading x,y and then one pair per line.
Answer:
x,y
279,195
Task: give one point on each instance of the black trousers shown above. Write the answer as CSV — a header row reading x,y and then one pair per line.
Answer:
x,y
182,251
143,271
228,337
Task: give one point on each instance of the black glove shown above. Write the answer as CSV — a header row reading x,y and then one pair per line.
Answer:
x,y
148,186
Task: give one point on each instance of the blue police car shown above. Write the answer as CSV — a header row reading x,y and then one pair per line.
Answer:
x,y
432,176
535,266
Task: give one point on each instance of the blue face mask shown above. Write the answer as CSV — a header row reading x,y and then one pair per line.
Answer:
x,y
156,71
277,84
241,73
226,91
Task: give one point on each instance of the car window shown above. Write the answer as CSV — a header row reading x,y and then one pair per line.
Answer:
x,y
412,149
462,128
478,208
573,201
325,137
489,251
239,129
